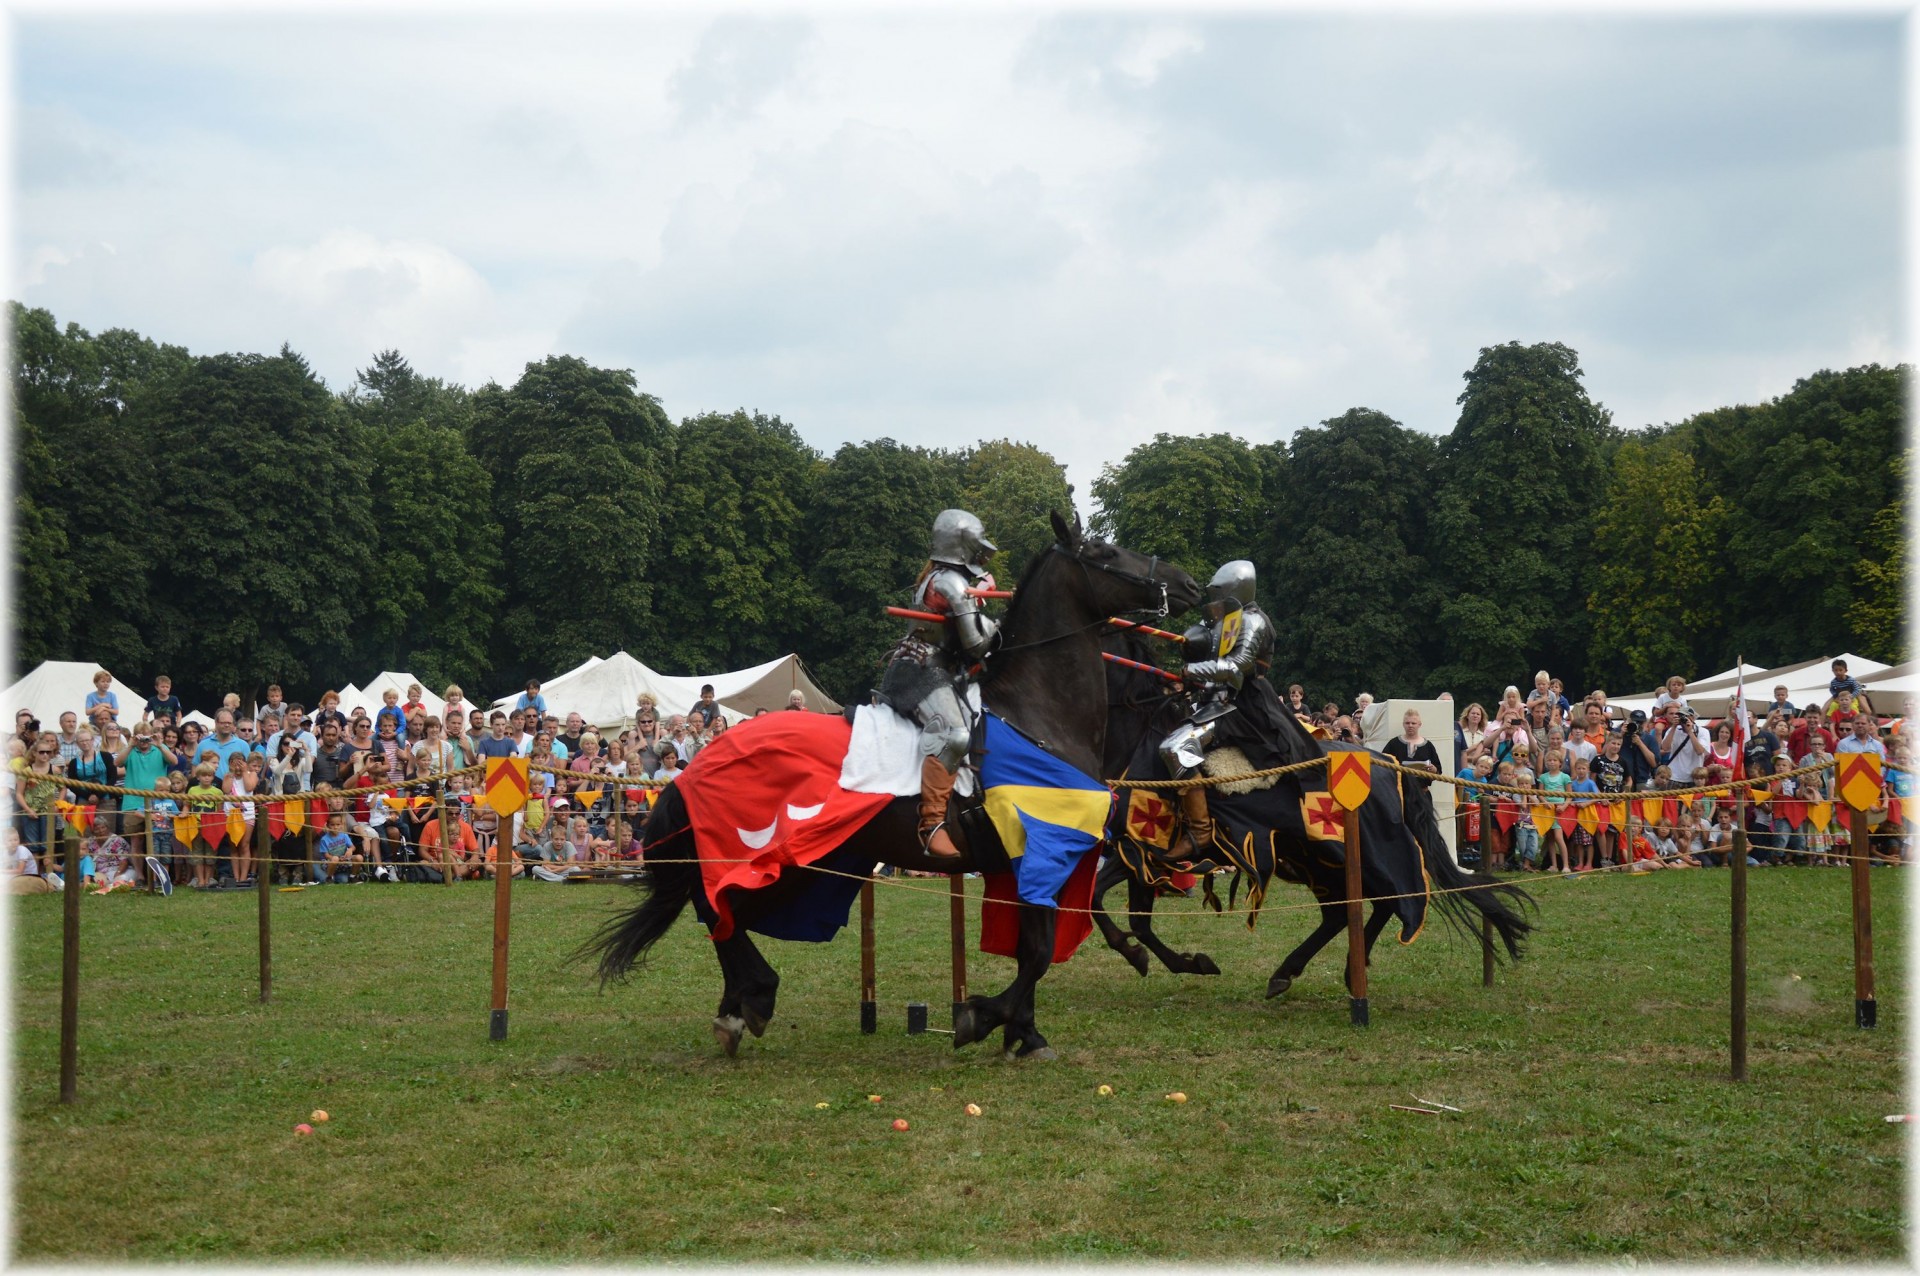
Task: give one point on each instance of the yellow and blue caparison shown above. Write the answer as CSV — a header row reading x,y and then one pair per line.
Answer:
x,y
1048,813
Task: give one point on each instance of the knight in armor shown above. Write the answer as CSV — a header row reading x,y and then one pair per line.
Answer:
x,y
928,676
1227,659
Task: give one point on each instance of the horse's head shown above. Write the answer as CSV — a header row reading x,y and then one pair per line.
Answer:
x,y
1119,580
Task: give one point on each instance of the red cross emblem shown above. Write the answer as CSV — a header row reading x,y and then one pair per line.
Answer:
x,y
1322,816
1149,818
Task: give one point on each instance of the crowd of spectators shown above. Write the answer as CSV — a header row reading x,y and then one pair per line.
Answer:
x,y
1592,754
587,810
378,816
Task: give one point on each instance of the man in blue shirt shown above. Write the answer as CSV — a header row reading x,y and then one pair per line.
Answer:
x,y
224,742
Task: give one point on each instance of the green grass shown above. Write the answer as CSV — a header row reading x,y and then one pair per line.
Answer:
x,y
1598,1118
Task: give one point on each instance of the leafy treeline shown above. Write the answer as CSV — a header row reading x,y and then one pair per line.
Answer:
x,y
230,520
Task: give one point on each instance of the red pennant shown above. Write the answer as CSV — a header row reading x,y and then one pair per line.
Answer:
x,y
276,820
213,828
1567,819
1506,814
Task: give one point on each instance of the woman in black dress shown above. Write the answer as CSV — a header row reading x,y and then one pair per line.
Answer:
x,y
1411,749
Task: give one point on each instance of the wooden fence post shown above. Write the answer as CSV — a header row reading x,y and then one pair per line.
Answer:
x,y
869,1004
1864,1006
957,930
69,962
1486,866
1739,955
263,891
502,921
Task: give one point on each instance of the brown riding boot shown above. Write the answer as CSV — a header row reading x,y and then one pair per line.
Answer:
x,y
1193,805
936,787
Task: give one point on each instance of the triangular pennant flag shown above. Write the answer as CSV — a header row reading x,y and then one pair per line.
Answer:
x,y
587,797
1648,810
276,820
1671,809
213,828
296,816
183,828
1506,814
1590,816
236,825
1614,813
1821,814
1567,819
1542,817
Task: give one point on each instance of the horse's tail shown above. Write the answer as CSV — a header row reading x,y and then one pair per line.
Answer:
x,y
1501,904
669,882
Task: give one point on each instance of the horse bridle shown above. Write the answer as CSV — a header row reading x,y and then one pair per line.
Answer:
x,y
1132,578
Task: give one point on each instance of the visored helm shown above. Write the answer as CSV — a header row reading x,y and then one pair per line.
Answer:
x,y
960,540
1231,587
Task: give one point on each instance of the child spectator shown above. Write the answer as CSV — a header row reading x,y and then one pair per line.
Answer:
x,y
339,862
531,697
205,797
1785,811
390,712
102,696
1609,775
160,816
1585,791
164,702
1557,783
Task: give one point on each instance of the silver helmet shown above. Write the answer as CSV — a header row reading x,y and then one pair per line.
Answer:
x,y
960,540
1231,587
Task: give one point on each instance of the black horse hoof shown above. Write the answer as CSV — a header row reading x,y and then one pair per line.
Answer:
x,y
966,1026
1044,1054
1137,957
727,1030
756,1022
1203,964
1278,985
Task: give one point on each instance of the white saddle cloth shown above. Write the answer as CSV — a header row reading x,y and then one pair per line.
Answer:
x,y
883,755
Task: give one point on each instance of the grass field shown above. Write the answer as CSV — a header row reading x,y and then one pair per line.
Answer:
x,y
1598,1120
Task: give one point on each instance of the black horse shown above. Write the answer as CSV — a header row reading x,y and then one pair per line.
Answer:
x,y
1047,679
1266,834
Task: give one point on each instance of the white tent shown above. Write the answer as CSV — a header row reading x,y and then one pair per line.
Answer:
x,y
606,692
1899,680
198,718
61,685
1806,683
370,696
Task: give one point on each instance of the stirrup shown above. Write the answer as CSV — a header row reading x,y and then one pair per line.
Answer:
x,y
926,844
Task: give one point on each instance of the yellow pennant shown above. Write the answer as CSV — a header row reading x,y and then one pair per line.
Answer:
x,y
236,825
1543,816
1589,817
296,816
1821,814
587,797
184,827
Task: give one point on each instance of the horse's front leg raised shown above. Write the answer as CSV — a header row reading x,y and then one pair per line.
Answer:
x,y
1333,920
1111,874
1140,899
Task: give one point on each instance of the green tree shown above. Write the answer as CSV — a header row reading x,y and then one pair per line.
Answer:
x,y
390,393
1195,501
1878,615
869,524
1656,566
579,463
1814,474
87,481
731,589
265,531
436,578
1013,488
1527,454
1350,591
47,594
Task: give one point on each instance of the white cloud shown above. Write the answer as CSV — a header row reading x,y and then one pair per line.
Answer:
x,y
946,226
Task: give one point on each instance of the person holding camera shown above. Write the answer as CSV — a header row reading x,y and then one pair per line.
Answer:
x,y
1640,751
1685,745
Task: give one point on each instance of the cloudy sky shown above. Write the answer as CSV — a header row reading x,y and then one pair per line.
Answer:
x,y
1071,228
